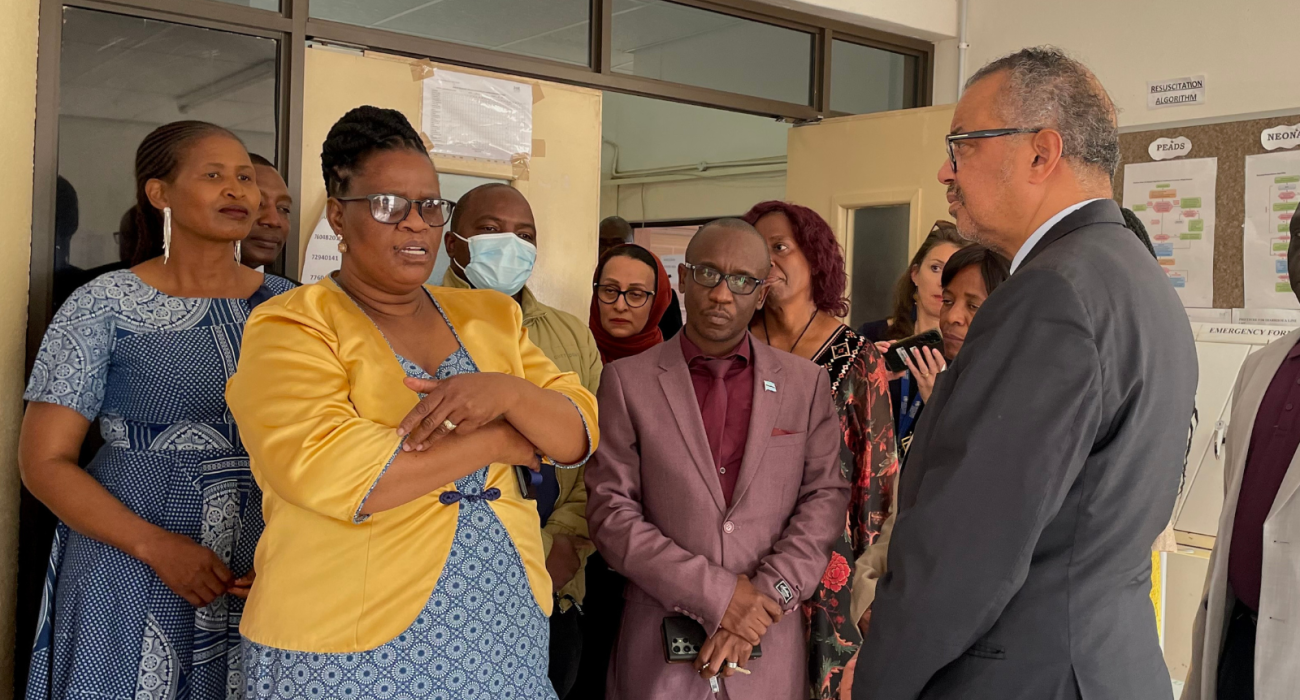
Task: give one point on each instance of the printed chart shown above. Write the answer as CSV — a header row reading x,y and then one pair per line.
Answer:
x,y
1272,192
1175,200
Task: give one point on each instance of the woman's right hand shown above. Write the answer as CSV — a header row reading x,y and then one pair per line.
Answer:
x,y
883,346
515,448
189,569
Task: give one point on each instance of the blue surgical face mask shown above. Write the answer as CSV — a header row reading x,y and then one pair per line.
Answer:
x,y
500,261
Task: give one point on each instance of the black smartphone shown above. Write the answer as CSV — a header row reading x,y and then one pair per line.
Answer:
x,y
529,480
903,348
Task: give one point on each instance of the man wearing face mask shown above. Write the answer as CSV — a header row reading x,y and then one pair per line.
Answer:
x,y
492,243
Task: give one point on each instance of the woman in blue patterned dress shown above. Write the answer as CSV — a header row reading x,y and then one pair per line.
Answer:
x,y
155,542
400,558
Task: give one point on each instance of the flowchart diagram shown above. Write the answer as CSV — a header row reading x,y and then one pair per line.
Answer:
x,y
1175,201
1272,195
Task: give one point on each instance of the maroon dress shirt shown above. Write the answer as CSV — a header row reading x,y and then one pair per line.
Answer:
x,y
729,382
1273,443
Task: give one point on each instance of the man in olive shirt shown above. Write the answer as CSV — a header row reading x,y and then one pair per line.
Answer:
x,y
492,240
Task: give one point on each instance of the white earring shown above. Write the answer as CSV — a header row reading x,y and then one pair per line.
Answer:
x,y
237,250
167,234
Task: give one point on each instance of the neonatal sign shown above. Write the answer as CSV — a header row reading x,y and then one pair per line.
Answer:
x,y
1178,92
1165,149
1280,137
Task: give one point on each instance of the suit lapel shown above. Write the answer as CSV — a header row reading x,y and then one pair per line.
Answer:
x,y
1291,482
1105,211
675,379
762,417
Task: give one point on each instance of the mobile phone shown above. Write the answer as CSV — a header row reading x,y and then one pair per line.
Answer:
x,y
529,480
903,348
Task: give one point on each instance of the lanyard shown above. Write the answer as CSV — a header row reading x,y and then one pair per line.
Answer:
x,y
907,413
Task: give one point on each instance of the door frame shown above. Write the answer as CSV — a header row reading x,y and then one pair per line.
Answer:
x,y
844,205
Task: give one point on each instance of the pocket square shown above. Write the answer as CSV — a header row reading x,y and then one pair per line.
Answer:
x,y
777,432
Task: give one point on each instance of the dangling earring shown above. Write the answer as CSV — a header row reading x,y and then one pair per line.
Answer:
x,y
343,246
237,250
167,234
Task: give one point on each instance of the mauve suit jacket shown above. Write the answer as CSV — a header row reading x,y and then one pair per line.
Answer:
x,y
658,516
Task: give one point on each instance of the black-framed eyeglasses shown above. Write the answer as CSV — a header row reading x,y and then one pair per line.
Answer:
x,y
394,208
634,298
984,134
709,277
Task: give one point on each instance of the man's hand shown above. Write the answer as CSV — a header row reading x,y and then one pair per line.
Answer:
x,y
749,613
564,562
718,651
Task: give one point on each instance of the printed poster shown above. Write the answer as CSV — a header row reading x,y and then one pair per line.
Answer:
x,y
1175,200
323,255
1272,191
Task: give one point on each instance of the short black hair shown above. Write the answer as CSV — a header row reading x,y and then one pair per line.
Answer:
x,y
617,224
733,224
465,199
259,160
993,267
358,134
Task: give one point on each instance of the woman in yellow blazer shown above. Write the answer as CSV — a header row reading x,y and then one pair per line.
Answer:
x,y
394,562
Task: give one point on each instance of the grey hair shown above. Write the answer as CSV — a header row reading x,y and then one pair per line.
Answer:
x,y
1048,89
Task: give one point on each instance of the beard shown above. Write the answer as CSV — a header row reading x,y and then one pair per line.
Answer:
x,y
966,226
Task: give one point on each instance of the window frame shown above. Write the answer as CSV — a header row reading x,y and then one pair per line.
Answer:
x,y
293,27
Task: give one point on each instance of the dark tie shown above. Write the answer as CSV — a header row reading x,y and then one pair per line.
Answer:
x,y
715,407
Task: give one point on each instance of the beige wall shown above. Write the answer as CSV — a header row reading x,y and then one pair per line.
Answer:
x,y
562,180
17,123
1245,49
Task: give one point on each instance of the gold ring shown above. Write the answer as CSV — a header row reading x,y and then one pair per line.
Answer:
x,y
446,423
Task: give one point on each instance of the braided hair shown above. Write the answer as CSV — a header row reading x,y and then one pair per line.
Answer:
x,y
358,134
157,158
1133,223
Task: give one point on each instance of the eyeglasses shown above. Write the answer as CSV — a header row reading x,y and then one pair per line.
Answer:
x,y
985,134
393,208
635,298
706,276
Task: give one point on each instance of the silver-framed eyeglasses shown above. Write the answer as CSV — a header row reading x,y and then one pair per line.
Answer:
x,y
394,208
983,134
634,298
706,276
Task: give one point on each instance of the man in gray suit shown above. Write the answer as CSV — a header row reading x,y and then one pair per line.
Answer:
x,y
1049,456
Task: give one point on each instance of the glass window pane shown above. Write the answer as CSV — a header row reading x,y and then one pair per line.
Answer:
x,y
554,29
657,39
121,77
880,237
865,79
272,5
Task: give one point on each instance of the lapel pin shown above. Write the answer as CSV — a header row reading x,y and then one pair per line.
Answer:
x,y
769,386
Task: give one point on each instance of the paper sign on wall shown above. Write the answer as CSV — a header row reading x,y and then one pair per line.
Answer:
x,y
475,116
1166,149
1175,201
1178,92
323,255
1272,191
1280,137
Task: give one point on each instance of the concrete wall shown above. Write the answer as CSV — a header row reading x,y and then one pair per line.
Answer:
x,y
17,123
1246,49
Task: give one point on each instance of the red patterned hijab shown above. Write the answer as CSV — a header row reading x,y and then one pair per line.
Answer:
x,y
612,348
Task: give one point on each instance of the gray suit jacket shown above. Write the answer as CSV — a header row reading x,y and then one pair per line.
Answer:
x,y
1046,463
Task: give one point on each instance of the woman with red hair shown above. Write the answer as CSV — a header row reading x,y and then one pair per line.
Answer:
x,y
805,300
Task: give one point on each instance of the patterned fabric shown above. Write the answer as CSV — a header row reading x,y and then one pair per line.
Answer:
x,y
153,369
869,460
481,635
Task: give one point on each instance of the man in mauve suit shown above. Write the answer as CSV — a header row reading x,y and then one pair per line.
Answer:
x,y
1049,455
716,489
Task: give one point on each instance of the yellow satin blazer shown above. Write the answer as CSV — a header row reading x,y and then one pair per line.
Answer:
x,y
317,396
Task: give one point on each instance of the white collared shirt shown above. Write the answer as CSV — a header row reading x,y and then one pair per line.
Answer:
x,y
1042,231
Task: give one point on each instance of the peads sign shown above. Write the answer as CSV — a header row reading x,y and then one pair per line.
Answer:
x,y
1280,137
1164,149
1179,92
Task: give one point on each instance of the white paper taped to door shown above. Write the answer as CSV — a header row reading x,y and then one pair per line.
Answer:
x,y
477,117
323,255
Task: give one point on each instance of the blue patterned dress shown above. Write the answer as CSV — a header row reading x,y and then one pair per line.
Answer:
x,y
153,369
480,635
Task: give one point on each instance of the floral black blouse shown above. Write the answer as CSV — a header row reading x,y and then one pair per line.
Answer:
x,y
869,460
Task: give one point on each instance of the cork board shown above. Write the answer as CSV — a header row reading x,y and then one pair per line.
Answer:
x,y
1230,142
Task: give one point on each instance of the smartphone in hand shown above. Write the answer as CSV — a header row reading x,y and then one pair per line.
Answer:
x,y
903,348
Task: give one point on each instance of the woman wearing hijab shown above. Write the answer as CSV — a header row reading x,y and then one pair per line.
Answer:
x,y
630,294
